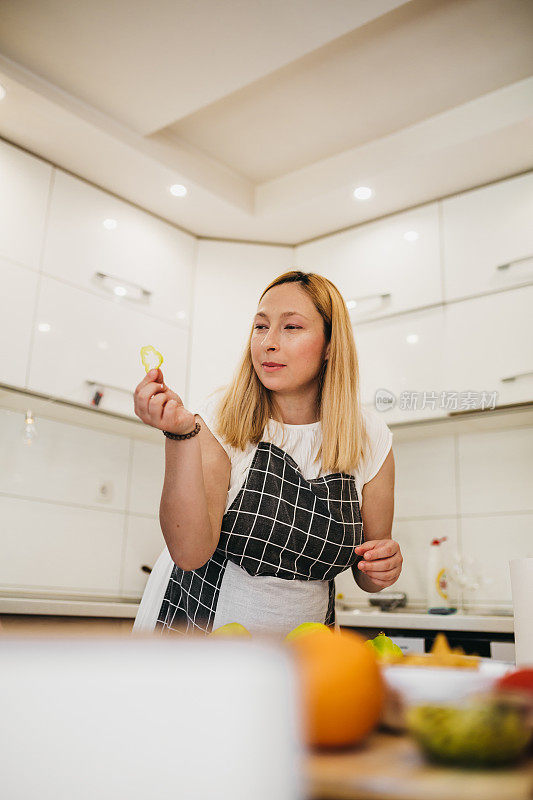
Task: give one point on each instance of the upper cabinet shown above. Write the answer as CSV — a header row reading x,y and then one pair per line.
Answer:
x,y
401,365
385,266
85,344
488,238
24,189
97,242
489,347
17,305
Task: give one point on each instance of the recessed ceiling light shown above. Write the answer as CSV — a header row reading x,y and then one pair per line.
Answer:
x,y
178,190
2,92
120,291
44,327
411,236
351,303
362,193
412,338
110,224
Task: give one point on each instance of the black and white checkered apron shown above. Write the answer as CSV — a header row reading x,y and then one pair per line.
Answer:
x,y
279,524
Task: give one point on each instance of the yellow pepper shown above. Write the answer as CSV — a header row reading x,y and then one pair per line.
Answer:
x,y
151,358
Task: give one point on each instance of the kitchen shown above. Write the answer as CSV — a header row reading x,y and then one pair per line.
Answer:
x,y
156,175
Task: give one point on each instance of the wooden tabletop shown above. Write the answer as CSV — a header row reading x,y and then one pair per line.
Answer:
x,y
390,767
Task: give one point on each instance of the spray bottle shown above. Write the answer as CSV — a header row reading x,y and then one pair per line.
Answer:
x,y
438,590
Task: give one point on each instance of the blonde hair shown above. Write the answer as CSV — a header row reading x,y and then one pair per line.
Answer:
x,y
246,405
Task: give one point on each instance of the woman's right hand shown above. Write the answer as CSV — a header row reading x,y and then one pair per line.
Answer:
x,y
157,405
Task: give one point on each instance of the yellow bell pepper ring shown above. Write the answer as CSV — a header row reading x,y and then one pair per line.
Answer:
x,y
151,358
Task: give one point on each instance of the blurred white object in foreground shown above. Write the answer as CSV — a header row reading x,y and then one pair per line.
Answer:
x,y
142,718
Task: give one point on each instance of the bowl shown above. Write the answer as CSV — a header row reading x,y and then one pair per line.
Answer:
x,y
421,684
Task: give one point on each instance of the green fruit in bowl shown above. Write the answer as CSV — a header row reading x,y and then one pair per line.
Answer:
x,y
305,628
231,629
385,648
482,733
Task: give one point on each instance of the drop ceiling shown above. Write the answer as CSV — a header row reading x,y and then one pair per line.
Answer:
x,y
271,113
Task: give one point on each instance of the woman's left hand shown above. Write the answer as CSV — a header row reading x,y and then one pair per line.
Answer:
x,y
382,561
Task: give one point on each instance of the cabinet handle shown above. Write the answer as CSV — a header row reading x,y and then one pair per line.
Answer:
x,y
145,568
143,294
518,375
513,263
378,296
108,386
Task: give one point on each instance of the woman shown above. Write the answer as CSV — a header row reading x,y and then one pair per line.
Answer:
x,y
267,498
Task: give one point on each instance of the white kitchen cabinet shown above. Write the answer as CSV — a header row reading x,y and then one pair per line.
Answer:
x,y
404,355
378,267
96,339
140,253
17,304
24,191
144,544
55,549
487,229
489,341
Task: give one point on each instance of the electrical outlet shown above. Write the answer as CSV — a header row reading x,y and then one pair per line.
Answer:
x,y
104,492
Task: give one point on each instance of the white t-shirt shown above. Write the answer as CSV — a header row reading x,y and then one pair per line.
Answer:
x,y
266,603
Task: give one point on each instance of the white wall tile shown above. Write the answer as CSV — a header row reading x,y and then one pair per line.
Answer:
x,y
496,471
148,474
65,463
59,549
414,537
144,544
492,541
425,477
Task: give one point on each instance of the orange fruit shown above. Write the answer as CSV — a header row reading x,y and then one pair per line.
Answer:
x,y
342,690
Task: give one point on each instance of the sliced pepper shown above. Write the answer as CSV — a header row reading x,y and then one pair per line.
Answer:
x,y
151,358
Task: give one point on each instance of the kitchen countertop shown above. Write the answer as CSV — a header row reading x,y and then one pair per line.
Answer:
x,y
460,621
356,617
75,608
390,765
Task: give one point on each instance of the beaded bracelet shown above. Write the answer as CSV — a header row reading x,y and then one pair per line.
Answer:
x,y
183,435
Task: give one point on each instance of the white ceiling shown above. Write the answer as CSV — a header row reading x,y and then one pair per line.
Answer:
x,y
271,113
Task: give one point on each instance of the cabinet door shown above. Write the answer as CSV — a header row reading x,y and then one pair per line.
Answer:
x,y
378,267
144,543
96,339
17,304
489,341
144,539
141,252
404,356
485,230
24,190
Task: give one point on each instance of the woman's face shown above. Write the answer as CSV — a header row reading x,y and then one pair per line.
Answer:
x,y
297,340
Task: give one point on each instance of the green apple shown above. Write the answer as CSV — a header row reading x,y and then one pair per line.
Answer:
x,y
304,628
384,646
231,629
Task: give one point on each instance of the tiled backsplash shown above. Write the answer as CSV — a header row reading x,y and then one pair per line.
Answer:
x,y
60,532
474,488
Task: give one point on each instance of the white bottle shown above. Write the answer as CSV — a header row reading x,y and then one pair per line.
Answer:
x,y
437,588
